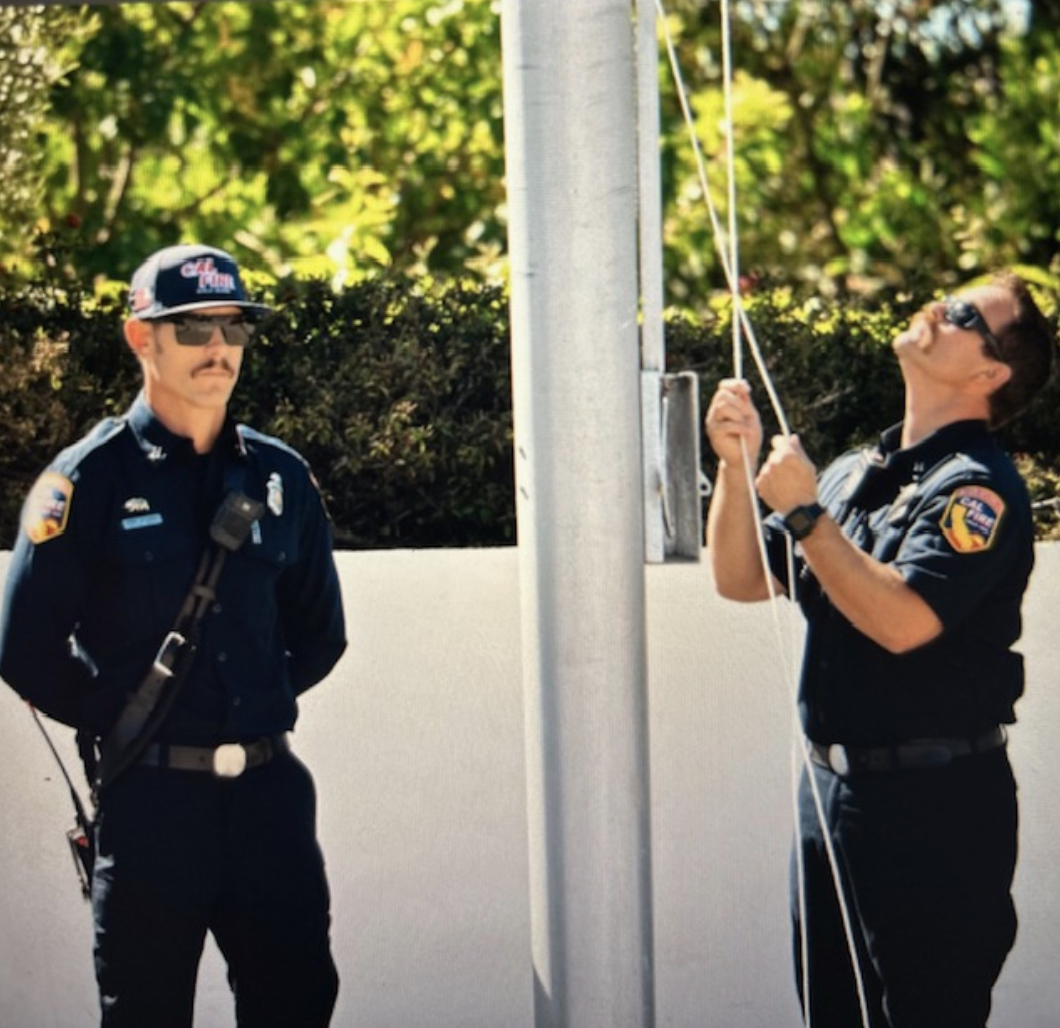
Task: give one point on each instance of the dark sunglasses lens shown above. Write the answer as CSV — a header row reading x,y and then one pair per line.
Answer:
x,y
199,331
966,316
238,332
962,314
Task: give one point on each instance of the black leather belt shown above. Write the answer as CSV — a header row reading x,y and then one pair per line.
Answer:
x,y
229,760
916,754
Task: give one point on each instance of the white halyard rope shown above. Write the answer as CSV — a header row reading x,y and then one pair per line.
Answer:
x,y
726,243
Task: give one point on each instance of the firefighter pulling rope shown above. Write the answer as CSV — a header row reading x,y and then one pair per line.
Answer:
x,y
728,253
909,560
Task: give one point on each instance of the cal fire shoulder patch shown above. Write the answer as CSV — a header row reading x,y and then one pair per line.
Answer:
x,y
971,519
47,507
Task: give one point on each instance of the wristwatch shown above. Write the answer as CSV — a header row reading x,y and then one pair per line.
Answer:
x,y
800,521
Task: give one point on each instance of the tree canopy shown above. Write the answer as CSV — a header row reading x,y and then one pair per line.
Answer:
x,y
876,144
317,136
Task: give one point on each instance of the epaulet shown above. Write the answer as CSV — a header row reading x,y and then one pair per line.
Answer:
x,y
96,438
256,438
957,467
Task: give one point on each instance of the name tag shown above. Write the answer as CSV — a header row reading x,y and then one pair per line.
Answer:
x,y
144,521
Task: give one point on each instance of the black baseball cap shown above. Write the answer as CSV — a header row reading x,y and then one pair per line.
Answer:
x,y
186,278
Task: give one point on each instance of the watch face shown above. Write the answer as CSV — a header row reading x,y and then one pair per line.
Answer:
x,y
801,520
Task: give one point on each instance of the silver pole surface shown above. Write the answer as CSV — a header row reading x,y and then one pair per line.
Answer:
x,y
653,342
571,151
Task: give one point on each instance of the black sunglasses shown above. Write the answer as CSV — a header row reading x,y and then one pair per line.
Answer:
x,y
198,329
965,315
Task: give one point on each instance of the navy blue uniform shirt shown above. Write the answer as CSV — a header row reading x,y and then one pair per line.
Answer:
x,y
111,539
953,516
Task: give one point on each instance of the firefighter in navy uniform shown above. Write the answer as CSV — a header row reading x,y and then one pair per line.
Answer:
x,y
212,828
911,561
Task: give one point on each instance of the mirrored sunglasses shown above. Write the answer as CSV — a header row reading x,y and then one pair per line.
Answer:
x,y
199,329
964,315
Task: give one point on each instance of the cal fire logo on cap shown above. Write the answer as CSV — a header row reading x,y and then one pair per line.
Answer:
x,y
971,519
211,279
47,507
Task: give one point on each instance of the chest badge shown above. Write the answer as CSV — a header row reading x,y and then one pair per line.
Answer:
x,y
274,494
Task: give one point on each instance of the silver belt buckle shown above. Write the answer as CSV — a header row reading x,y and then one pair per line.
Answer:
x,y
229,760
838,760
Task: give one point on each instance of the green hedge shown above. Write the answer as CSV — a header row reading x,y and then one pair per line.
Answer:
x,y
399,395
400,399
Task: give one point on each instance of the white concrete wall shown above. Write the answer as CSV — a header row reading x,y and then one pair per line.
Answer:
x,y
417,745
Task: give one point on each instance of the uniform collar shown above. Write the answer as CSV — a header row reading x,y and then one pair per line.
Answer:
x,y
924,455
158,443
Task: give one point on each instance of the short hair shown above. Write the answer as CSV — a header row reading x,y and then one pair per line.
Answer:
x,y
1028,347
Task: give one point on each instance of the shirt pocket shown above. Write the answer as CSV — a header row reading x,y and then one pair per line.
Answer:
x,y
150,571
251,584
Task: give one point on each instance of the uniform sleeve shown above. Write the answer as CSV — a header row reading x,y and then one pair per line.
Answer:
x,y
962,547
782,558
44,593
314,623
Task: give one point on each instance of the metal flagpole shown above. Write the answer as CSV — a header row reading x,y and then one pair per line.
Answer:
x,y
571,152
670,422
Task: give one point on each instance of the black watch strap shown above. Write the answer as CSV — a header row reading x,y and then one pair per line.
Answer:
x,y
800,521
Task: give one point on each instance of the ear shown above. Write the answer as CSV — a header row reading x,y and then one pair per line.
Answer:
x,y
137,336
992,377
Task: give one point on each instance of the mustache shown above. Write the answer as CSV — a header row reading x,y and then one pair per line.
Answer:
x,y
213,363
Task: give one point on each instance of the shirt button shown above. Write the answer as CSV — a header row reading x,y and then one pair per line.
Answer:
x,y
222,657
237,702
217,608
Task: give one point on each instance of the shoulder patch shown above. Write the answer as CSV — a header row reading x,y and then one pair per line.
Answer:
x,y
971,518
47,507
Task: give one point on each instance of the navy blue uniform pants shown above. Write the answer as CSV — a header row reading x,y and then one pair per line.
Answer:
x,y
184,853
926,859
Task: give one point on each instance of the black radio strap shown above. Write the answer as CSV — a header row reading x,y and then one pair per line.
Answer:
x,y
148,707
